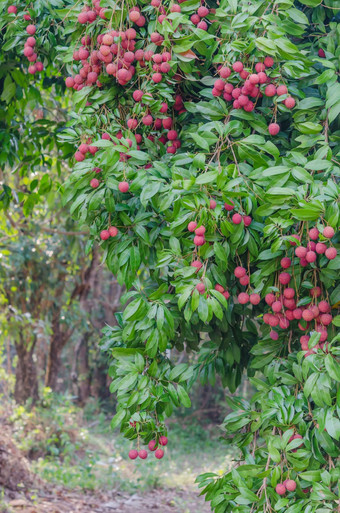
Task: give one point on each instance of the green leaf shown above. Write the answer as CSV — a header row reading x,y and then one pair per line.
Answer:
x,y
128,381
200,141
336,321
266,45
183,396
118,419
332,367
8,90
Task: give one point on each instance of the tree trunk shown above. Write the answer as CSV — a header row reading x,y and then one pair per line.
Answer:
x,y
84,380
53,361
26,377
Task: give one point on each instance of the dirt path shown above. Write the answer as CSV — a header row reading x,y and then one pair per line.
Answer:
x,y
156,501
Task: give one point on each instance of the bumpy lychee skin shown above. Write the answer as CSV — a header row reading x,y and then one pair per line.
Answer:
x,y
289,102
247,220
123,186
143,454
326,319
270,90
202,12
320,248
313,233
281,90
113,231
240,271
286,262
133,454
192,226
301,251
291,485
104,234
237,219
159,453
330,253
311,256
254,299
244,280
200,287
243,298
229,207
273,128
152,445
31,30
284,278
280,489
328,232
219,288
197,264
268,62
163,440
269,298
198,240
94,183
200,231
324,306
237,66
307,315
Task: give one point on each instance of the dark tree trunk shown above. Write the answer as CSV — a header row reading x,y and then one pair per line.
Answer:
x,y
60,337
99,385
26,377
53,362
81,378
84,380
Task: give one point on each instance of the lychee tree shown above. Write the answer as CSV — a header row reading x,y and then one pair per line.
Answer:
x,y
206,165
32,106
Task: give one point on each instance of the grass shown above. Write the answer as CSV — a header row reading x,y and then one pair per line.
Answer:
x,y
77,449
103,461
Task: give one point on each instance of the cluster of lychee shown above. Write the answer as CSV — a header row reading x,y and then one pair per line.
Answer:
x,y
112,231
244,279
85,148
153,447
284,306
89,15
161,122
117,55
255,85
199,239
116,52
29,47
197,18
237,218
289,485
29,51
308,255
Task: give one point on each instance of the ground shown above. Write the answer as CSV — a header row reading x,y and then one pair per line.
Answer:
x,y
81,466
64,501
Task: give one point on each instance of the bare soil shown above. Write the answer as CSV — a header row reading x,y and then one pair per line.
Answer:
x,y
64,501
23,492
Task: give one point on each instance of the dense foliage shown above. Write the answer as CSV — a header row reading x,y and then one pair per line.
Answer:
x,y
219,119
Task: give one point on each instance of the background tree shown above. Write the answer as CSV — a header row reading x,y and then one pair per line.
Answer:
x,y
241,119
220,120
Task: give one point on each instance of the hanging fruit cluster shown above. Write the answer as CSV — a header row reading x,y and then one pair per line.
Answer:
x,y
30,43
153,447
286,305
246,86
